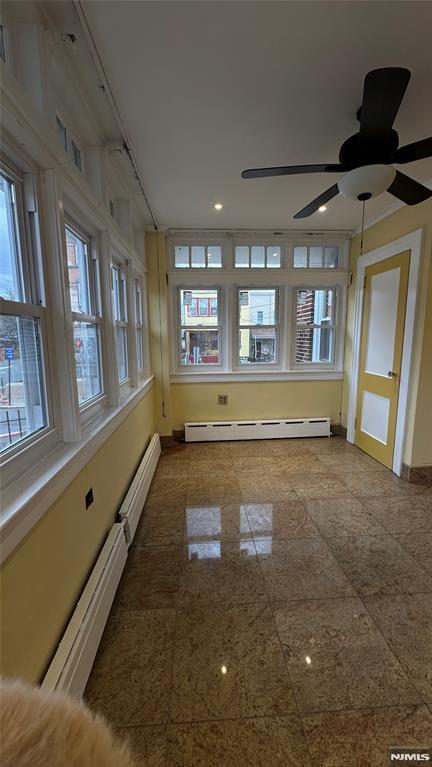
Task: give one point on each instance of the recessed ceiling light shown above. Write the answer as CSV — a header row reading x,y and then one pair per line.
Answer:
x,y
218,206
322,208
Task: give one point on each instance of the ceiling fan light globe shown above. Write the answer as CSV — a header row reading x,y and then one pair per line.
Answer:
x,y
370,180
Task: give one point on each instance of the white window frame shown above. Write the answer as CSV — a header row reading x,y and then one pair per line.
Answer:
x,y
176,346
265,366
339,327
206,242
24,452
139,308
260,242
122,322
320,244
73,143
93,406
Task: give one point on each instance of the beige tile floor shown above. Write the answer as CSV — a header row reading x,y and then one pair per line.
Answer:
x,y
275,610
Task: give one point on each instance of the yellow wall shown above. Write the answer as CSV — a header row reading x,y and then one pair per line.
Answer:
x,y
43,577
275,399
418,442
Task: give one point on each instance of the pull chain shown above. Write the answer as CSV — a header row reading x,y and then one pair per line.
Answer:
x,y
362,228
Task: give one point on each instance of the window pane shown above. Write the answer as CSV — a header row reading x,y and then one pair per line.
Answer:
x,y
331,256
122,360
242,256
116,293
138,303
257,307
76,155
87,360
61,133
10,258
300,256
22,388
199,347
315,257
315,307
77,259
181,256
214,257
314,344
257,345
258,256
199,307
139,348
273,256
198,256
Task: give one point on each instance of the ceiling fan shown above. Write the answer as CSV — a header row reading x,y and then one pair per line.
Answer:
x,y
366,158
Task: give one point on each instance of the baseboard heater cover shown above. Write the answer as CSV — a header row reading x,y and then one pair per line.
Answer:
x,y
269,429
132,506
72,663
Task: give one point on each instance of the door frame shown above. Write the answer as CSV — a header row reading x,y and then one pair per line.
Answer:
x,y
413,242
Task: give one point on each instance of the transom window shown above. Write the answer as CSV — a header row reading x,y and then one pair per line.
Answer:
x,y
257,326
316,257
23,397
315,325
120,319
257,256
85,305
198,256
199,332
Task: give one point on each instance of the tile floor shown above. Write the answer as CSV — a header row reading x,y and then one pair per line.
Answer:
x,y
275,610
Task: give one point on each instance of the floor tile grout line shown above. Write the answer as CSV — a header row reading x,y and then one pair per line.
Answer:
x,y
291,684
361,598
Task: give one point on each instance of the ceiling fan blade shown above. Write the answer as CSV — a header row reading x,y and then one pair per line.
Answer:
x,y
383,92
290,170
315,204
408,190
419,150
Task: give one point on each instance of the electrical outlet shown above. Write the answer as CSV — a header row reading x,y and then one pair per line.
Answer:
x,y
89,498
222,399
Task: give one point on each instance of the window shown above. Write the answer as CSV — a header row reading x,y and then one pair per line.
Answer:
x,y
198,256
315,325
85,303
139,328
76,155
199,334
257,326
62,133
257,256
23,399
2,43
120,320
316,256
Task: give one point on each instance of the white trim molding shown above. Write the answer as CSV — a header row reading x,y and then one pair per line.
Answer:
x,y
412,242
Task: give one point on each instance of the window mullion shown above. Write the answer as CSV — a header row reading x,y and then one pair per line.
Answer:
x,y
130,325
109,354
59,300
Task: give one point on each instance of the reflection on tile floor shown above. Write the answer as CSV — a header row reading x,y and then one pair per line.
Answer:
x,y
275,610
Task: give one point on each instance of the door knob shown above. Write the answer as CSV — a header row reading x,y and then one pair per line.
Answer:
x,y
391,374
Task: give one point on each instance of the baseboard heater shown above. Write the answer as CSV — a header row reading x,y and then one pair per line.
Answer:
x,y
270,429
72,663
132,506
70,668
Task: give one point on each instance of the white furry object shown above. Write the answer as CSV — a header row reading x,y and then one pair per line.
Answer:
x,y
43,729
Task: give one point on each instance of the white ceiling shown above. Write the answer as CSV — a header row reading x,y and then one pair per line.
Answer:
x,y
207,89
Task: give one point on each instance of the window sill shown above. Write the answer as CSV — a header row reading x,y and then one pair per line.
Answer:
x,y
255,375
27,499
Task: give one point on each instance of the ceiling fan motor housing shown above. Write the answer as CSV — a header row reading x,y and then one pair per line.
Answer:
x,y
367,181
